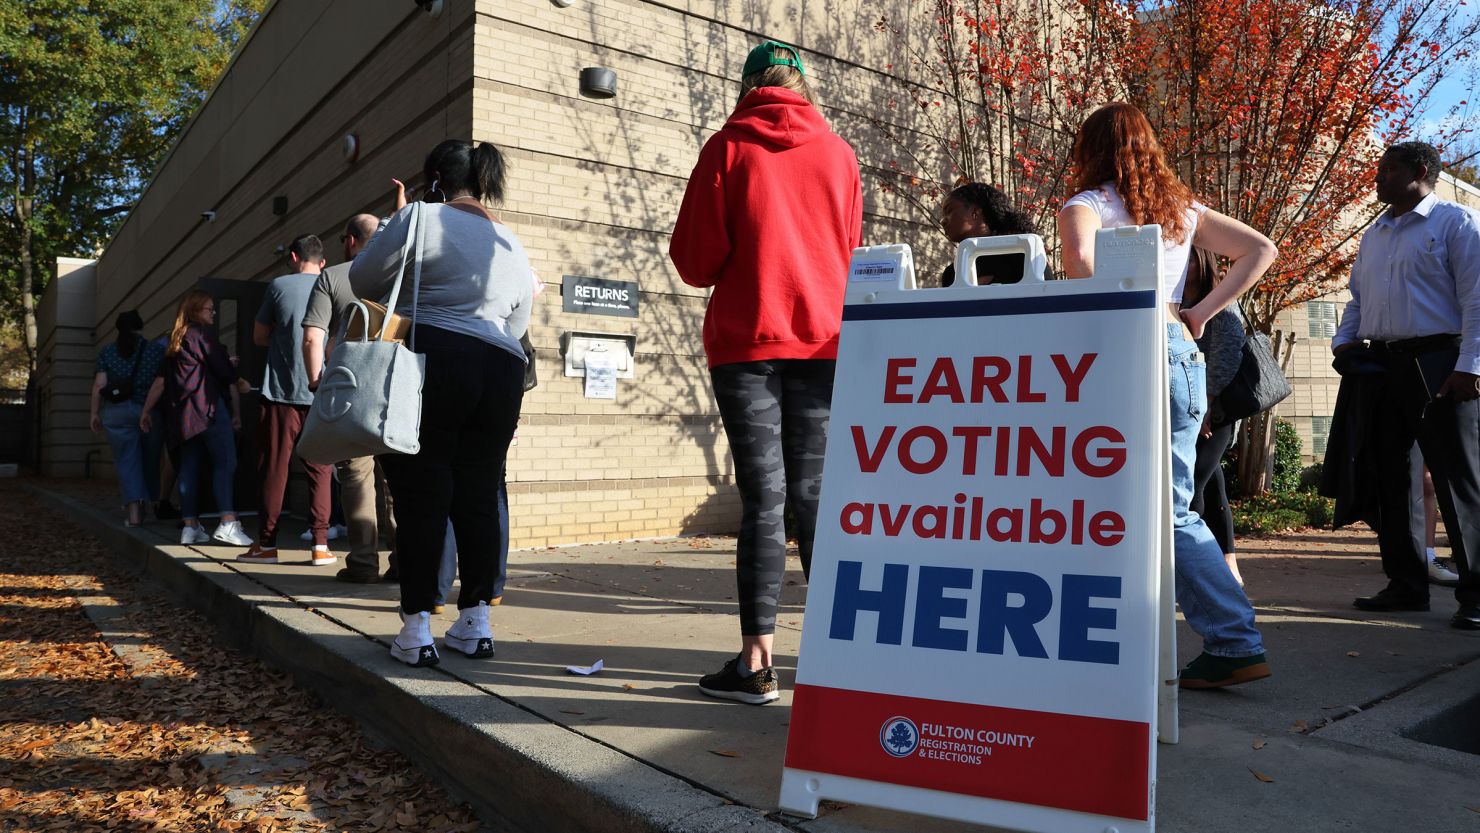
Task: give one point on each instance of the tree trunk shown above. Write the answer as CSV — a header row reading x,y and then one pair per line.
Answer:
x,y
1256,434
23,205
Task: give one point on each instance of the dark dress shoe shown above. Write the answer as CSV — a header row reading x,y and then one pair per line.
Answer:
x,y
1388,600
1467,618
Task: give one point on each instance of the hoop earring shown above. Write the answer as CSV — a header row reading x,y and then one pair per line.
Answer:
x,y
441,197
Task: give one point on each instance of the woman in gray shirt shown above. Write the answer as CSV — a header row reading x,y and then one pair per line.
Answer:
x,y
473,305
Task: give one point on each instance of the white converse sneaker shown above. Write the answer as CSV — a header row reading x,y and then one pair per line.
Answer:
x,y
230,532
1439,574
193,535
471,634
413,645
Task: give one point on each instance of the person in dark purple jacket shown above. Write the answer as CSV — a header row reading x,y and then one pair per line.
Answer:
x,y
195,381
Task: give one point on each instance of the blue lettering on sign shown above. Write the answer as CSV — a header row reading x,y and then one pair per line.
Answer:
x,y
932,605
1079,617
849,598
1012,604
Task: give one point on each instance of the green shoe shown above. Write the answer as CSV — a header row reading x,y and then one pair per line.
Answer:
x,y
1208,671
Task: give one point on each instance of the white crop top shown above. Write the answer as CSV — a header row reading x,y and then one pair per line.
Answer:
x,y
1105,201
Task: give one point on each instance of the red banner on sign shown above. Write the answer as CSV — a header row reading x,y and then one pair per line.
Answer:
x,y
1042,758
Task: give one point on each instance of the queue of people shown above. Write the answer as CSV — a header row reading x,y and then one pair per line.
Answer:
x,y
769,219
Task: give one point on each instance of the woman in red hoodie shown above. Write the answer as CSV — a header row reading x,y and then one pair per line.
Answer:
x,y
771,216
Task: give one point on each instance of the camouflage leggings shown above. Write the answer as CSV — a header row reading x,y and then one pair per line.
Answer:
x,y
775,414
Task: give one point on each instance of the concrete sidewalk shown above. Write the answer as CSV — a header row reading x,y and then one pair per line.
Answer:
x,y
1339,729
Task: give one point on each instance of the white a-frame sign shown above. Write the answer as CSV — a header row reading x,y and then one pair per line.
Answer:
x,y
985,604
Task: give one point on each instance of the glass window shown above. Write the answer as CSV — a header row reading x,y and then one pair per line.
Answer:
x,y
1320,431
1322,318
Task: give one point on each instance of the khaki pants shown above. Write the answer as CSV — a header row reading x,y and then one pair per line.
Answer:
x,y
360,483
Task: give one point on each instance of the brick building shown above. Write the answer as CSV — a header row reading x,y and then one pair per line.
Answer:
x,y
326,100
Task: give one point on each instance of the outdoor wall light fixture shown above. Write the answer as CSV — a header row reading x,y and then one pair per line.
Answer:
x,y
598,82
208,216
279,206
564,4
431,7
349,147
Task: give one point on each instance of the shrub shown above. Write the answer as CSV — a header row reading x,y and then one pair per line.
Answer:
x,y
1286,457
1281,512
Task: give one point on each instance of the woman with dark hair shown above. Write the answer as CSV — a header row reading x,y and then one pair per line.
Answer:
x,y
195,380
473,305
1222,346
772,213
979,210
1124,179
124,371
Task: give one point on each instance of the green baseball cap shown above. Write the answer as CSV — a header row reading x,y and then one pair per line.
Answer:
x,y
765,56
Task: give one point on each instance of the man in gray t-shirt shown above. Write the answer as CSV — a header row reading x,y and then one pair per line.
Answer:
x,y
285,401
358,478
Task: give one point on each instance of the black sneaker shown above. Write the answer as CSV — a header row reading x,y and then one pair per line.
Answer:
x,y
727,684
354,576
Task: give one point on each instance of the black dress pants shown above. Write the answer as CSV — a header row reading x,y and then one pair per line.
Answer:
x,y
1448,434
469,409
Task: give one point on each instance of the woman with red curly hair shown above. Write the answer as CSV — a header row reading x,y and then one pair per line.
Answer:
x,y
1123,179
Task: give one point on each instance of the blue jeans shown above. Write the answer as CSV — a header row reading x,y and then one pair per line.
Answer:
x,y
219,443
1215,606
121,421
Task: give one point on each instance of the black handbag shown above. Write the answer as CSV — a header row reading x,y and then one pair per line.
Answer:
x,y
124,391
530,377
1258,386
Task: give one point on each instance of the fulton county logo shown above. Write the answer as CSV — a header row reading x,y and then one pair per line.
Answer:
x,y
899,737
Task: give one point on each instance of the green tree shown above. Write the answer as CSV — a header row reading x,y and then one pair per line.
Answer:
x,y
92,93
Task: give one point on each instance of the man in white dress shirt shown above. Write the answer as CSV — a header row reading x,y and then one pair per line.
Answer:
x,y
1416,300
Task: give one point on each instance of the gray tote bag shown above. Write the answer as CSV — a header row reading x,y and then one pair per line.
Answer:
x,y
369,399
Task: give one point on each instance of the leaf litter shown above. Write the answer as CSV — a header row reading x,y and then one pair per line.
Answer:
x,y
184,735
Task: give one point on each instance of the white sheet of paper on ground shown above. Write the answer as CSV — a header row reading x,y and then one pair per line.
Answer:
x,y
586,670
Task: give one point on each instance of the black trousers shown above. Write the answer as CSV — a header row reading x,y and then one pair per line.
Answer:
x,y
1448,434
1209,491
469,409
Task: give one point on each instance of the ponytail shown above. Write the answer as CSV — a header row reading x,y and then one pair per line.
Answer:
x,y
458,166
488,170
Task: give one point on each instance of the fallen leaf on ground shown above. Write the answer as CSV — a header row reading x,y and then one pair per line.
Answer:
x,y
1259,744
1261,776
724,753
1300,726
1353,653
629,686
571,711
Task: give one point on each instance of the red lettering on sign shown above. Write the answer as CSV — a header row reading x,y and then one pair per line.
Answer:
x,y
894,376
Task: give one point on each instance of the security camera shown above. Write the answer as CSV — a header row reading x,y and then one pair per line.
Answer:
x,y
431,7
208,216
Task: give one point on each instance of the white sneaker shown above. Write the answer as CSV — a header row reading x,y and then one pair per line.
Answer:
x,y
323,557
230,532
336,531
413,645
471,634
193,535
1439,574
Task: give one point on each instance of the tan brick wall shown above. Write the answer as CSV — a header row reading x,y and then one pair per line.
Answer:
x,y
64,372
594,189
